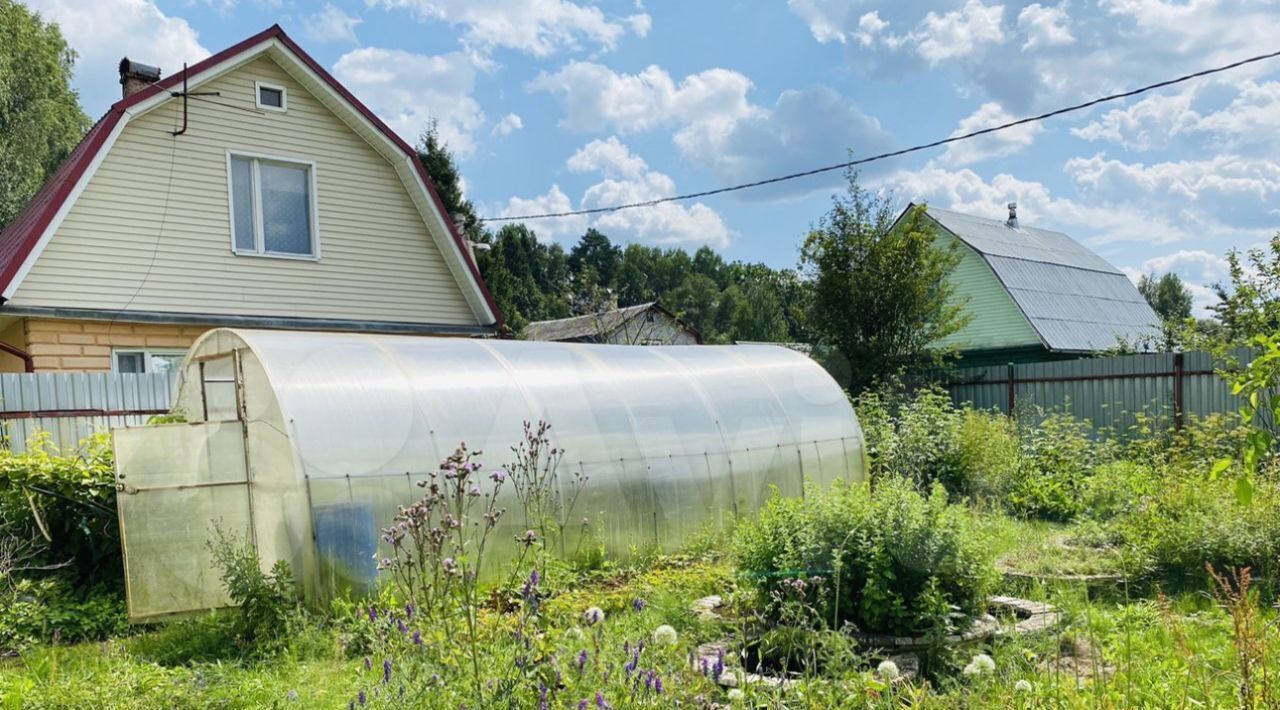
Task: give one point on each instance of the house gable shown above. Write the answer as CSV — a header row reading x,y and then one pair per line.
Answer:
x,y
995,321
146,226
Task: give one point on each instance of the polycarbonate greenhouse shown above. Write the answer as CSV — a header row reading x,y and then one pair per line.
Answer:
x,y
305,444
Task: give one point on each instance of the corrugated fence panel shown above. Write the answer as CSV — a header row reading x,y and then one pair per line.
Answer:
x,y
72,406
1112,393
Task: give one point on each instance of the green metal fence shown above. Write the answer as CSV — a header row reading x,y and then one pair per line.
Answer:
x,y
1110,392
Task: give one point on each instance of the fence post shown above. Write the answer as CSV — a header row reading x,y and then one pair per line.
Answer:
x,y
1177,391
1013,391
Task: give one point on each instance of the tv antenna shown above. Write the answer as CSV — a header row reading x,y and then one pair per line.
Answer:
x,y
184,94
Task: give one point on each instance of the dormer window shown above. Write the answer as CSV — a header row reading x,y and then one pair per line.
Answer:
x,y
270,97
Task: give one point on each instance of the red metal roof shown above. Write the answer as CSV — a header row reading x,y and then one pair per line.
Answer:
x,y
22,234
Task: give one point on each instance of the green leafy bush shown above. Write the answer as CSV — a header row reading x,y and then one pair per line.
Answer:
x,y
268,601
990,457
1057,458
917,437
1116,488
889,560
66,502
1190,521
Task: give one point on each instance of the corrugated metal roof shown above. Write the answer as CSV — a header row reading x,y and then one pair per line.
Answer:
x,y
996,238
1075,299
595,326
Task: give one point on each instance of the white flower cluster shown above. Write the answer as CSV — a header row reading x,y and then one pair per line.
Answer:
x,y
979,665
888,671
665,636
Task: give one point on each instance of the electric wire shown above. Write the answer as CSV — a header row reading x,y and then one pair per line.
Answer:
x,y
893,154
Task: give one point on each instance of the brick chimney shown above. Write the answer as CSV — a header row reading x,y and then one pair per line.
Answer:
x,y
135,77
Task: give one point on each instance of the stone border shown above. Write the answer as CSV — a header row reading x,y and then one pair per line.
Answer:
x,y
1033,617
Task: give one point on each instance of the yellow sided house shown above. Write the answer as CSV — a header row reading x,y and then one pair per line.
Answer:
x,y
251,190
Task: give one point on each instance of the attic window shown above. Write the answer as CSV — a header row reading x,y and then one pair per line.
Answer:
x,y
269,97
273,207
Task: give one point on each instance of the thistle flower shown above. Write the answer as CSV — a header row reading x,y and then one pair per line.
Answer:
x,y
474,491
1023,686
593,616
665,635
888,671
498,476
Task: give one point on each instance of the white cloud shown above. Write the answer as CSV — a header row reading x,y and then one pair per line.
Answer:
x,y
609,157
105,30
640,23
508,124
537,27
1045,26
331,24
938,37
803,129
597,98
626,178
1040,55
993,145
1249,120
407,90
554,201
1149,123
959,33
1217,181
715,123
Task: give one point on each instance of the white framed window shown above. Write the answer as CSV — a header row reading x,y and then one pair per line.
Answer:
x,y
270,97
139,361
273,206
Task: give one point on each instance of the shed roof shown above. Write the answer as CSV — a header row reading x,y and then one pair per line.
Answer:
x,y
1075,300
594,325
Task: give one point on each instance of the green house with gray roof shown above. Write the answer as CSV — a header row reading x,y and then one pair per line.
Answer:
x,y
1034,294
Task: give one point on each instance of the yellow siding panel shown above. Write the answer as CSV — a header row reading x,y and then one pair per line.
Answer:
x,y
152,229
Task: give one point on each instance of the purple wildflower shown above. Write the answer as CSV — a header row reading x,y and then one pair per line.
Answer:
x,y
582,704
639,604
386,671
417,638
404,629
542,703
373,614
368,663
582,659
657,685
718,669
498,476
408,611
362,698
600,703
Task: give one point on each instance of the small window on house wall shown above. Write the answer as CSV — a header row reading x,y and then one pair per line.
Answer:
x,y
142,361
270,98
273,211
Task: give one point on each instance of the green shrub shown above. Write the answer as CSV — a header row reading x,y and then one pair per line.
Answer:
x,y
990,457
889,560
1057,458
67,503
917,437
268,601
1116,488
1191,521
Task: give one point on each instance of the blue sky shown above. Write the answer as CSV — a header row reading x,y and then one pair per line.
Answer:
x,y
559,104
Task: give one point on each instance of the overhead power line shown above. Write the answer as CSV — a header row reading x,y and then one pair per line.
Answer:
x,y
891,154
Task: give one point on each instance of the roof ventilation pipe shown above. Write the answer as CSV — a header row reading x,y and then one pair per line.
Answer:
x,y
1013,215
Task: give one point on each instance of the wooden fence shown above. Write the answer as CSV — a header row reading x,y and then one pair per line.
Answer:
x,y
71,406
1110,392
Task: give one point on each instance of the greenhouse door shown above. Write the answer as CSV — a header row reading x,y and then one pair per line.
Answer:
x,y
177,486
